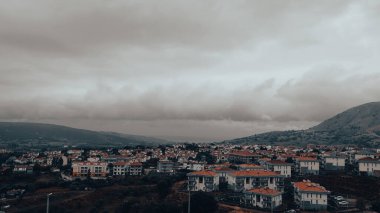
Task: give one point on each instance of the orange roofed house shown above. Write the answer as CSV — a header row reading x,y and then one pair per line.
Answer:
x,y
265,198
243,156
310,196
246,180
307,165
207,181
92,169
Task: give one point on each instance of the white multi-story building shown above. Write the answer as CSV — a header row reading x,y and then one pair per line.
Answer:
x,y
264,198
310,196
307,165
369,166
92,169
120,168
335,163
207,181
246,180
281,167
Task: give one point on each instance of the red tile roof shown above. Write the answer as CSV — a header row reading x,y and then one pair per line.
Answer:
x,y
277,162
309,187
368,159
307,159
255,173
244,153
265,191
202,173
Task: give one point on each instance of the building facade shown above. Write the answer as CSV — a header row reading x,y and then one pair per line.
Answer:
x,y
310,196
264,198
240,181
207,181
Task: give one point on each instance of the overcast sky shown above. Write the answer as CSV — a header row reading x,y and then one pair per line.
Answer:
x,y
200,70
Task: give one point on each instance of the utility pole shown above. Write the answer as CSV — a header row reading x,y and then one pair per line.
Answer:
x,y
47,202
188,206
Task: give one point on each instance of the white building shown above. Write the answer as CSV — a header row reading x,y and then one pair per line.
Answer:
x,y
281,167
207,181
120,168
264,198
369,166
246,180
335,163
307,165
92,169
310,196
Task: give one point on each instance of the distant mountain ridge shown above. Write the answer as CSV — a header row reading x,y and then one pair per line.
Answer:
x,y
21,133
359,125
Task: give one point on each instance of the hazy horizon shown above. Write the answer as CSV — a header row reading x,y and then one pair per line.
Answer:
x,y
202,71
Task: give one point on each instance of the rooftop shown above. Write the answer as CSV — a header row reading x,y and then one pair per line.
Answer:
x,y
309,186
265,191
255,173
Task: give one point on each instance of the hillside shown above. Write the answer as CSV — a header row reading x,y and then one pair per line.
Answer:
x,y
359,125
36,133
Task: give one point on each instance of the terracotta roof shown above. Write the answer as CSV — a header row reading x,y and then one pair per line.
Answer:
x,y
244,153
136,164
369,159
248,165
265,191
224,169
202,173
277,162
309,187
120,163
307,159
255,173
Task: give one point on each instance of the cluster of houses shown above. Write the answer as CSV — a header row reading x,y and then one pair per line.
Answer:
x,y
257,172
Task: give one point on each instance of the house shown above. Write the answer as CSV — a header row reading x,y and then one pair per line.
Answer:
x,y
23,169
310,196
92,169
307,165
223,173
243,156
281,167
205,180
135,169
369,166
120,168
249,167
245,180
335,163
264,198
165,166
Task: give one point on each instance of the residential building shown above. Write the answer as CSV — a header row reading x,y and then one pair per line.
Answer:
x,y
310,196
264,198
335,163
207,181
281,167
249,167
244,156
245,180
120,168
307,165
135,169
92,169
165,166
369,166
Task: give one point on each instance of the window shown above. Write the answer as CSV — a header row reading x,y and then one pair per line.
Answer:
x,y
200,179
247,180
271,180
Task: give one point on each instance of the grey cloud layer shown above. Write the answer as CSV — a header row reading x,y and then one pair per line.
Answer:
x,y
208,65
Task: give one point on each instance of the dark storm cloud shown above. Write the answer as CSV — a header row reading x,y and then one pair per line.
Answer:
x,y
207,69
